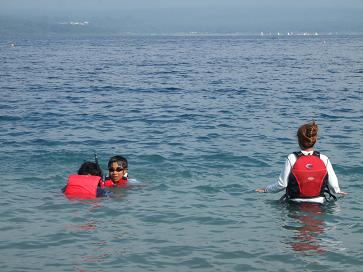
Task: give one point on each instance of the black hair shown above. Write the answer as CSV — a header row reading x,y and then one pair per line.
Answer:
x,y
120,160
90,168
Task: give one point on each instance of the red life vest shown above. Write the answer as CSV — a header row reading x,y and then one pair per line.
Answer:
x,y
121,183
308,177
108,183
81,186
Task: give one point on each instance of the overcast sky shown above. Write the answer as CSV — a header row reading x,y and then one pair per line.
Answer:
x,y
198,15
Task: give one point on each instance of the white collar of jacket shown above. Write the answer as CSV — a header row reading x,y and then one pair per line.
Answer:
x,y
307,152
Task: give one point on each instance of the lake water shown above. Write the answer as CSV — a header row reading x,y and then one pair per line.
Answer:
x,y
203,121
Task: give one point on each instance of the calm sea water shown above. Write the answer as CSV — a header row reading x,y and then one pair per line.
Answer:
x,y
203,120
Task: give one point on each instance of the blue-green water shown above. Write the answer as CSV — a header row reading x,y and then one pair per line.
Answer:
x,y
203,120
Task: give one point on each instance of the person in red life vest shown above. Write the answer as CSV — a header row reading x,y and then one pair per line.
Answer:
x,y
87,183
118,172
307,175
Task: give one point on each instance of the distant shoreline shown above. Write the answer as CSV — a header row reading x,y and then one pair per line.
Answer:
x,y
179,34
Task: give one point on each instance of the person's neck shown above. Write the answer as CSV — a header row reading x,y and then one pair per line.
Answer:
x,y
308,149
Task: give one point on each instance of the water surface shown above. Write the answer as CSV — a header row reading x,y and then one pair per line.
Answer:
x,y
203,120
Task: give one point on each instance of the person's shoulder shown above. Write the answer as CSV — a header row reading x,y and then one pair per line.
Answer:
x,y
324,157
292,155
291,159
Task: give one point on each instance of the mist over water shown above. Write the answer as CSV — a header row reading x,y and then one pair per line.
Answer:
x,y
66,17
203,121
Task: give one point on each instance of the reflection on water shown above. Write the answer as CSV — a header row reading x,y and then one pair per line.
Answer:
x,y
89,226
306,238
309,227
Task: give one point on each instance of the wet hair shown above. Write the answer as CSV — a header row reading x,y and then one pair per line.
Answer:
x,y
307,135
120,160
90,168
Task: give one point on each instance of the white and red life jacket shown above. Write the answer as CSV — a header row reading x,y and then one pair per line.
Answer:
x,y
308,177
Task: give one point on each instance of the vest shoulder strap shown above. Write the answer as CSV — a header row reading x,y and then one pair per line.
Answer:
x,y
316,153
298,154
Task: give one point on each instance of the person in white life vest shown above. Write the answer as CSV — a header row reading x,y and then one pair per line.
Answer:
x,y
307,176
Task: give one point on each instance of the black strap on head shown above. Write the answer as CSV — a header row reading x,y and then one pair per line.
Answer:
x,y
98,165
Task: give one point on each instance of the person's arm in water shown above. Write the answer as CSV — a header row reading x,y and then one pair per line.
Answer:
x,y
103,193
333,180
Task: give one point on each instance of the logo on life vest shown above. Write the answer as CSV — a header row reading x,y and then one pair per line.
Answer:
x,y
311,178
309,166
